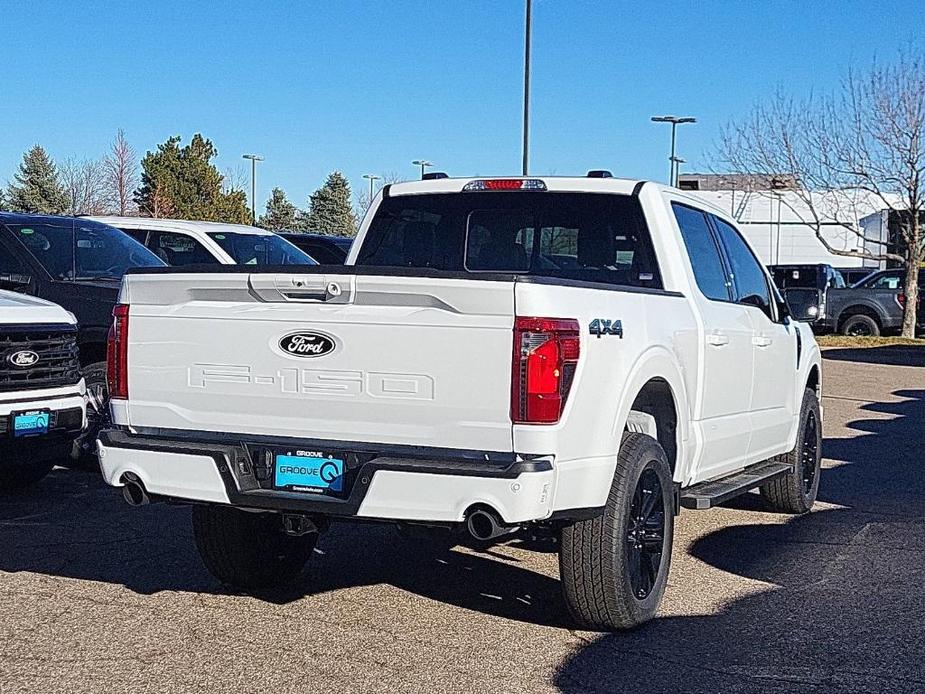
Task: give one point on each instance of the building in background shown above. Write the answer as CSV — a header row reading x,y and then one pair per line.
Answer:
x,y
779,218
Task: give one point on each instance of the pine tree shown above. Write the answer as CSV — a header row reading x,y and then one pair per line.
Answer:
x,y
184,181
2,202
37,189
330,210
281,215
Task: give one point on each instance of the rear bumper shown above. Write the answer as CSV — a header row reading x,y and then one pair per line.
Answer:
x,y
422,485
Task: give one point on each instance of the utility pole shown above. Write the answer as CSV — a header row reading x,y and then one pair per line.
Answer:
x,y
372,178
528,30
254,159
423,163
675,122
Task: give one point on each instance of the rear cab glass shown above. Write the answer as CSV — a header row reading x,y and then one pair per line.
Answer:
x,y
591,237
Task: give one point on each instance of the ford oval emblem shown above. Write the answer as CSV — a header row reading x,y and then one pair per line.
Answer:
x,y
23,358
307,344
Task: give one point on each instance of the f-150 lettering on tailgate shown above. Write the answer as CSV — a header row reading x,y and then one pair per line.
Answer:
x,y
323,382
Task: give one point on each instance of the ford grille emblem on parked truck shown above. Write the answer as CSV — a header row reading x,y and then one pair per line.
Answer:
x,y
23,358
306,344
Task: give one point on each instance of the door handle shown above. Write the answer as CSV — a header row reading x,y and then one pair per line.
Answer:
x,y
761,341
717,339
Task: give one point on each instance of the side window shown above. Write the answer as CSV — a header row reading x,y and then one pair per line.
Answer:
x,y
749,279
9,263
703,252
890,281
138,234
179,249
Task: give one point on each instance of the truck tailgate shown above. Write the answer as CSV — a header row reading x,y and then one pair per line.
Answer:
x,y
411,360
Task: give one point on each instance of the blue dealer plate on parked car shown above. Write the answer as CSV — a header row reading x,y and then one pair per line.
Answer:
x,y
32,423
309,471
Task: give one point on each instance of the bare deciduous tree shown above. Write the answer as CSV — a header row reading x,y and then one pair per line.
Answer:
x,y
84,183
362,198
868,136
121,171
236,179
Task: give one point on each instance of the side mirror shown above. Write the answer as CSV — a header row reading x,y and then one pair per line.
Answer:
x,y
783,311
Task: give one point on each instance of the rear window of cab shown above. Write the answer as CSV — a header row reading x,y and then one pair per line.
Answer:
x,y
591,237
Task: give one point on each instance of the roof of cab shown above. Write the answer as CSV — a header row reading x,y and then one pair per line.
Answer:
x,y
186,225
571,184
553,184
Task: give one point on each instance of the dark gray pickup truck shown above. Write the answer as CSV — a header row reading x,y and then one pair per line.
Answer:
x,y
873,306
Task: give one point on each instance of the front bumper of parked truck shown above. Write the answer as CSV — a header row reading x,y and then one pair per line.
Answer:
x,y
379,482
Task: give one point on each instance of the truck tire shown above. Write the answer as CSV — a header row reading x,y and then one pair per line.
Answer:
x,y
83,453
15,476
614,567
860,325
796,492
249,551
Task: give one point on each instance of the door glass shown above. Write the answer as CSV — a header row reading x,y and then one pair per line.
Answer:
x,y
703,252
10,264
750,282
887,282
179,249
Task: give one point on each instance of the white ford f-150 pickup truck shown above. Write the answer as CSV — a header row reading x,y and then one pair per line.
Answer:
x,y
582,356
42,393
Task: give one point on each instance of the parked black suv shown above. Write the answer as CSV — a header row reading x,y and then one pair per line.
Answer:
x,y
77,264
327,250
805,289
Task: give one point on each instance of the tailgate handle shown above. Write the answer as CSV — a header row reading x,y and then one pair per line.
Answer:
x,y
307,288
298,292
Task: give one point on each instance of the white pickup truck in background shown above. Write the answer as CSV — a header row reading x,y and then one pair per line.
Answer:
x,y
42,403
578,355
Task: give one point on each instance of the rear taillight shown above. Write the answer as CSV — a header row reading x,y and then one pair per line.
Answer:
x,y
546,354
117,353
901,300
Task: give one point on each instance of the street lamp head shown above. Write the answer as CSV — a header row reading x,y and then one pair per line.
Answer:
x,y
422,162
372,177
254,157
673,119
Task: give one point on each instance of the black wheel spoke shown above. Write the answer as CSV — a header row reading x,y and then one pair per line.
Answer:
x,y
809,453
645,534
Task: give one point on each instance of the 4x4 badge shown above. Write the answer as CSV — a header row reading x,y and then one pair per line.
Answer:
x,y
602,326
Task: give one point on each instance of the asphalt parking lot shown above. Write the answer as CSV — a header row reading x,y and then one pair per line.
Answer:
x,y
97,596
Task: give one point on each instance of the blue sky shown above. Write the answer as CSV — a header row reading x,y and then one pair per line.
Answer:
x,y
365,87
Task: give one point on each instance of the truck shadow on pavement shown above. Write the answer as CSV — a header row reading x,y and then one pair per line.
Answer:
x,y
891,355
837,601
73,525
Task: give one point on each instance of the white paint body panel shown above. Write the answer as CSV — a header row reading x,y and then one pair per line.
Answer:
x,y
424,361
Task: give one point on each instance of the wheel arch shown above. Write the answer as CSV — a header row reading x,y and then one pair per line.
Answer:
x,y
854,309
655,396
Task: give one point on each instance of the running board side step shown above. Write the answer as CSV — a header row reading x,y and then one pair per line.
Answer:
x,y
709,494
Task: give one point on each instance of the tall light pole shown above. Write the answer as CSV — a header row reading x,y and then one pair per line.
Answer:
x,y
675,122
254,159
372,179
677,161
528,28
423,163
